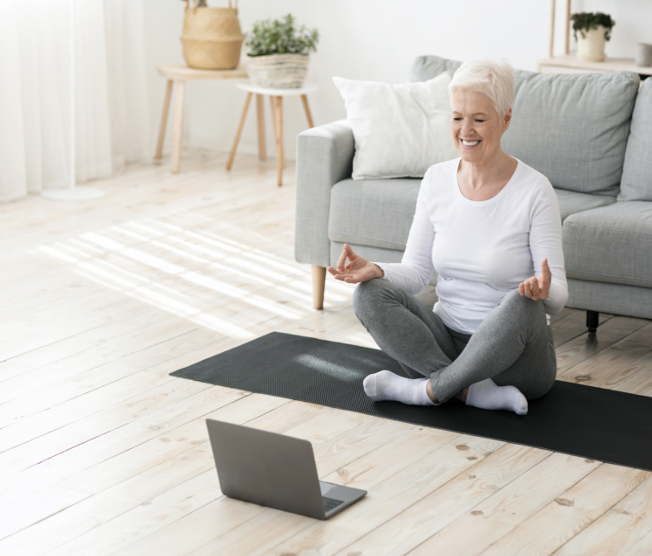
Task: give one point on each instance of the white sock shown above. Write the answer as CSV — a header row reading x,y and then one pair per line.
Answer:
x,y
487,395
385,385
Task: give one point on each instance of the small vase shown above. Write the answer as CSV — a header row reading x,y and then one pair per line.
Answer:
x,y
590,48
644,55
278,71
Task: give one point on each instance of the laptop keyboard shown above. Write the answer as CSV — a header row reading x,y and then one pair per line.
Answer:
x,y
331,503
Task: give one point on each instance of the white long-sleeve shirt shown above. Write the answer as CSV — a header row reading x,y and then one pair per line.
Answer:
x,y
481,250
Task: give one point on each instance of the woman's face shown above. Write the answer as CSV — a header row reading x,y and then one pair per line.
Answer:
x,y
476,126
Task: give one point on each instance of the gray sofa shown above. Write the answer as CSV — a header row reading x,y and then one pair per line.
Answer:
x,y
590,134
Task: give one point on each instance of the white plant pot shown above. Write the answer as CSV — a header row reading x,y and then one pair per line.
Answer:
x,y
278,71
591,47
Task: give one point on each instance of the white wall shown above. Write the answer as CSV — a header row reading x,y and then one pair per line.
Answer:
x,y
372,40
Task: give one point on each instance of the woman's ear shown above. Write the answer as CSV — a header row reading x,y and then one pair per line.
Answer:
x,y
507,119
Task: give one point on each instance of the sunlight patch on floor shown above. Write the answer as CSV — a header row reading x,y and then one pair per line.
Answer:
x,y
176,269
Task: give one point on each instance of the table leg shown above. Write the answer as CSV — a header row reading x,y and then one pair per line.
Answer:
x,y
260,110
280,158
304,98
237,135
272,103
177,130
164,120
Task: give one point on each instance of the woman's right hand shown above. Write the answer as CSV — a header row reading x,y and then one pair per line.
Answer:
x,y
357,270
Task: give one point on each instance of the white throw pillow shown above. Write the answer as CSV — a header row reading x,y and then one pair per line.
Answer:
x,y
399,130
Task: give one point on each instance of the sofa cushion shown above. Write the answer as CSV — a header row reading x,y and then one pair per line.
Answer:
x,y
571,202
636,184
426,67
361,209
616,299
377,213
610,244
573,128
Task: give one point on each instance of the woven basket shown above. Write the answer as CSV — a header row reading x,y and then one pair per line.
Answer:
x,y
278,71
212,37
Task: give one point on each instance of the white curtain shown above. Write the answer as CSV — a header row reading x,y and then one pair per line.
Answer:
x,y
111,113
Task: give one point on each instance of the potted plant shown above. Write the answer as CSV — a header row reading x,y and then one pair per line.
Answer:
x,y
594,30
278,52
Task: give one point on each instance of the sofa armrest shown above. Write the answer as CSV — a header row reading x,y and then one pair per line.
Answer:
x,y
324,157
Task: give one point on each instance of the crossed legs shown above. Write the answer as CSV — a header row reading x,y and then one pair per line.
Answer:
x,y
512,347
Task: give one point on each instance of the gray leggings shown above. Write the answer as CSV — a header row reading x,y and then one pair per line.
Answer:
x,y
513,345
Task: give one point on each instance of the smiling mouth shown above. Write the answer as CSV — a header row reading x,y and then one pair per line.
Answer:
x,y
469,143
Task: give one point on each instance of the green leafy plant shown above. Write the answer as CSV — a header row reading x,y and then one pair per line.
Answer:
x,y
584,21
280,36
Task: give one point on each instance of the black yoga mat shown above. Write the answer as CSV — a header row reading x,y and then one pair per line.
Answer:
x,y
575,419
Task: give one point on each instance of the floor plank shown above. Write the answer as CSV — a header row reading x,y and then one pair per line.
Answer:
x,y
499,514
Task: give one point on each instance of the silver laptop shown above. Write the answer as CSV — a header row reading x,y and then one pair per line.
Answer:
x,y
274,470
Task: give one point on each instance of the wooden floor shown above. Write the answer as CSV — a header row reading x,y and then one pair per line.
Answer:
x,y
102,452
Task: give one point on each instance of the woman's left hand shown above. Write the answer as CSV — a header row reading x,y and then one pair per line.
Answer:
x,y
537,287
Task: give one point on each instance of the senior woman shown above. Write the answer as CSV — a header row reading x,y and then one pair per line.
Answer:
x,y
490,226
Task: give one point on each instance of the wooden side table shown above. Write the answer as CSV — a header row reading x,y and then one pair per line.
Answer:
x,y
276,100
179,75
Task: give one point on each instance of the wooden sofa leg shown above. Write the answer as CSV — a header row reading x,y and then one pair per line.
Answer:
x,y
592,321
318,286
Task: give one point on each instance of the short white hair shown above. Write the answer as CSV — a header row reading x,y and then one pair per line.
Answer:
x,y
492,76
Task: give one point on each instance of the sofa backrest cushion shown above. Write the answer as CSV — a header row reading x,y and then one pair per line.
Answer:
x,y
636,184
572,128
427,67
